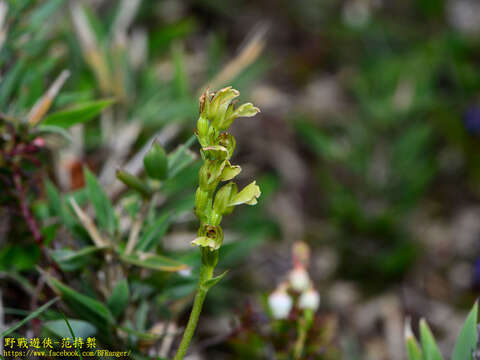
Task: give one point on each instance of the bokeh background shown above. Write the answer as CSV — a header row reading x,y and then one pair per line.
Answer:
x,y
367,149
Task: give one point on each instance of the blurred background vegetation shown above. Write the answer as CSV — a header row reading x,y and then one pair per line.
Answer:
x,y
367,149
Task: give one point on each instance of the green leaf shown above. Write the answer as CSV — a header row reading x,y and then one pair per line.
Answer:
x,y
71,260
155,162
102,205
77,114
180,158
413,350
153,232
468,337
33,315
10,80
214,281
153,261
57,205
71,331
134,183
79,327
56,130
118,299
180,78
429,346
84,306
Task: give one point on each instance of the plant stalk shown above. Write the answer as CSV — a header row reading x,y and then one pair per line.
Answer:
x,y
206,273
304,325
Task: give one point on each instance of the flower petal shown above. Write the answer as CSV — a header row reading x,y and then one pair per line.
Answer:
x,y
248,195
216,152
230,171
246,110
204,241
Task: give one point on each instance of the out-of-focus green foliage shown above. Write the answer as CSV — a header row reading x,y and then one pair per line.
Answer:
x,y
465,346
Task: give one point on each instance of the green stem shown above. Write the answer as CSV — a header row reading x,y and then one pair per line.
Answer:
x,y
304,325
206,273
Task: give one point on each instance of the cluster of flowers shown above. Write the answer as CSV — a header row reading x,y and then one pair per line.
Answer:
x,y
217,112
297,285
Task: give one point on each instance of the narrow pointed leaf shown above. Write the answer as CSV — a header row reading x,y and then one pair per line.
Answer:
x,y
118,300
101,203
413,350
153,261
81,328
33,315
71,260
154,232
468,337
429,346
214,281
77,114
83,306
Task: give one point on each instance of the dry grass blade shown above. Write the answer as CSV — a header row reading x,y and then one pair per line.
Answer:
x,y
135,229
89,225
90,48
3,28
247,55
43,104
120,145
126,14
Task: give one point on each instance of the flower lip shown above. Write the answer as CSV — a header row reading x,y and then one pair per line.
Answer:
x,y
248,195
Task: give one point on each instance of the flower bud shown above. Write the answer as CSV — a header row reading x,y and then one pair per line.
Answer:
x,y
201,202
301,253
299,279
223,197
219,105
280,303
210,173
228,142
309,300
156,162
202,129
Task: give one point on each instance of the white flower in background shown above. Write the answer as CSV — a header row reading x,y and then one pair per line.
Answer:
x,y
464,15
309,300
280,303
187,272
299,279
356,13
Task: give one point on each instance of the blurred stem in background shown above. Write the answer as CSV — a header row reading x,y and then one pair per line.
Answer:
x,y
304,324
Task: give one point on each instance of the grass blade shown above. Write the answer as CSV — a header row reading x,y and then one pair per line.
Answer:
x,y
33,315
